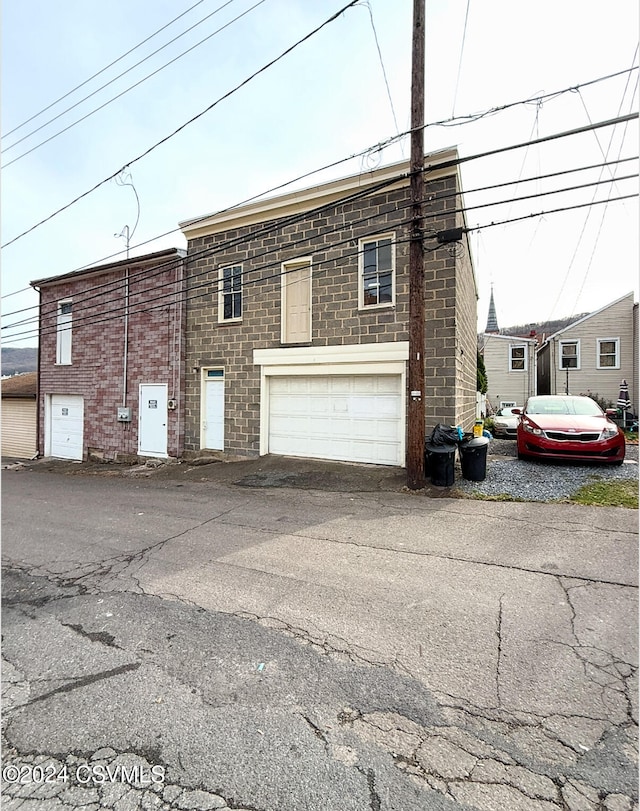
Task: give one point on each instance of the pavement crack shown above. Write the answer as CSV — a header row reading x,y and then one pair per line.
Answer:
x,y
499,659
103,637
85,681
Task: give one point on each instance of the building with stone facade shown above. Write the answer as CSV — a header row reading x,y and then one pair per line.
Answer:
x,y
111,360
297,319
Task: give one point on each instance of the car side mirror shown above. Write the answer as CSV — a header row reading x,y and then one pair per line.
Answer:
x,y
516,411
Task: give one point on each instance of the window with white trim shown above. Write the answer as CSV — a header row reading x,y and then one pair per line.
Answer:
x,y
569,354
608,356
377,285
230,293
63,333
518,358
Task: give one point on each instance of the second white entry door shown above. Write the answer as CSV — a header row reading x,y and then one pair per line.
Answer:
x,y
152,420
212,436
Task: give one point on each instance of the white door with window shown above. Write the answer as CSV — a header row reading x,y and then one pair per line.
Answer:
x,y
66,426
152,419
212,433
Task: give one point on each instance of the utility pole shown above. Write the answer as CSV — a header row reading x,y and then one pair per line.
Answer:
x,y
416,414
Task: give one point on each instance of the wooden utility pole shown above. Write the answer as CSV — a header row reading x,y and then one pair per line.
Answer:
x,y
416,415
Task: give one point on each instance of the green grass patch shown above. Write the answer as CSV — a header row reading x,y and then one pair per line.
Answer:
x,y
614,493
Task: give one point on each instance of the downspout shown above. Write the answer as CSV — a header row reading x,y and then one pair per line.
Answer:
x,y
126,339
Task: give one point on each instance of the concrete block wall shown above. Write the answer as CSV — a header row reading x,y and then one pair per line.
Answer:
x,y
330,238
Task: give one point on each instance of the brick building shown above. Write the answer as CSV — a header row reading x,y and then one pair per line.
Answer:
x,y
111,363
297,319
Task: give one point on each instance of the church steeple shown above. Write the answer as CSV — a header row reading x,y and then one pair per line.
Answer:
x,y
492,318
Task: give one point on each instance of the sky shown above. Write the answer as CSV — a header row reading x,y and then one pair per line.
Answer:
x,y
343,92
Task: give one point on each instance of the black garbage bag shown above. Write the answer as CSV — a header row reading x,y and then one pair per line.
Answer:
x,y
443,436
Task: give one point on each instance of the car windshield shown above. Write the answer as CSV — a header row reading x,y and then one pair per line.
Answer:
x,y
506,412
580,406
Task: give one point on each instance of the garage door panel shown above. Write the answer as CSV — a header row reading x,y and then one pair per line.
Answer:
x,y
343,417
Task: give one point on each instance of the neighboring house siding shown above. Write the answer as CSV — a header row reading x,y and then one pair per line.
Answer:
x,y
155,352
19,418
503,383
330,240
615,321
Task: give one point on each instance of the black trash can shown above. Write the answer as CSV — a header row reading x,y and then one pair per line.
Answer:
x,y
473,458
439,460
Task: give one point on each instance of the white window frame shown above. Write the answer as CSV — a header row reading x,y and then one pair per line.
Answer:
x,y
64,332
599,342
524,357
575,341
222,294
361,243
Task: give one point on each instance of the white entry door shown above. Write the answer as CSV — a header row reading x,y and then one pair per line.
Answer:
x,y
152,420
212,434
66,426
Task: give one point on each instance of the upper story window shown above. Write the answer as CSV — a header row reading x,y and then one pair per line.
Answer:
x,y
569,356
230,293
517,359
608,353
63,333
377,287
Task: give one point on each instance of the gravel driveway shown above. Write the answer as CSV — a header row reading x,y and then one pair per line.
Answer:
x,y
540,481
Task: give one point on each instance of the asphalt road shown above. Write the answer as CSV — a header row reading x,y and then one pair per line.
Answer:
x,y
195,644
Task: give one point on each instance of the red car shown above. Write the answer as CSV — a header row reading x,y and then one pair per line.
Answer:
x,y
565,427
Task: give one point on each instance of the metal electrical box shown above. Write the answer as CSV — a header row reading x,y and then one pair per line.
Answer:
x,y
124,414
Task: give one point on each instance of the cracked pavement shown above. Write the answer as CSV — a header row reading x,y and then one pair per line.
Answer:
x,y
198,645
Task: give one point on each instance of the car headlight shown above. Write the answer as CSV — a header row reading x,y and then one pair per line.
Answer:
x,y
532,429
609,431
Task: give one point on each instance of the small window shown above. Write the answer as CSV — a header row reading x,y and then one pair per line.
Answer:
x,y
377,272
230,293
63,333
608,353
569,354
517,359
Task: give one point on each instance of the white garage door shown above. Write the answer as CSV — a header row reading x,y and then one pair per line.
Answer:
x,y
352,418
67,426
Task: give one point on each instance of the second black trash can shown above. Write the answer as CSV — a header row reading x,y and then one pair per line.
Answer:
x,y
473,458
439,460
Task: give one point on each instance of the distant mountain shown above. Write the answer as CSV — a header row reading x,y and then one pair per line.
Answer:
x,y
542,327
16,361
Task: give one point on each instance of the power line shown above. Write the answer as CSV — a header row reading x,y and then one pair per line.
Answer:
x,y
190,121
102,70
278,225
124,92
445,122
113,286
464,36
35,332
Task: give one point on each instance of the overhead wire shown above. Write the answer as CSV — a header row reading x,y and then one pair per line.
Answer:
x,y
459,121
279,274
190,121
401,176
206,253
464,36
126,90
105,68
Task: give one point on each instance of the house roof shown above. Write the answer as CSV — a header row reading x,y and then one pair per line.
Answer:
x,y
586,317
134,261
441,163
24,385
514,338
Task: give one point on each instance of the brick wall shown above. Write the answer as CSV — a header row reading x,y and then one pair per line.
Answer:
x,y
155,351
331,239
